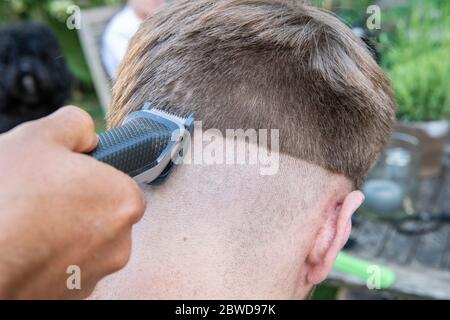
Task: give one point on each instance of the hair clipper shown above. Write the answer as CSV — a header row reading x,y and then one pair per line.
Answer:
x,y
148,144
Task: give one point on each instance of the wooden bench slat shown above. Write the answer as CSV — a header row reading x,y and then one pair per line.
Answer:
x,y
370,238
398,247
432,248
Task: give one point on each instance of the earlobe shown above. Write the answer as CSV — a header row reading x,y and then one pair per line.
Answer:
x,y
332,237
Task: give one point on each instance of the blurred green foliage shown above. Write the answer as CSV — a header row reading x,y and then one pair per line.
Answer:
x,y
325,292
416,54
352,12
415,51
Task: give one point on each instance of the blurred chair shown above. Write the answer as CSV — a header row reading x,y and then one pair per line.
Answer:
x,y
93,24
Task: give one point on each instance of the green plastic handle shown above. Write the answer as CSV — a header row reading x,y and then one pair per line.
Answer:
x,y
364,269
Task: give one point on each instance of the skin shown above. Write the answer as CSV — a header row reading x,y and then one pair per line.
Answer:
x,y
145,8
227,232
59,208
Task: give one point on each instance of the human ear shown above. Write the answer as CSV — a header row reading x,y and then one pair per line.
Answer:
x,y
332,237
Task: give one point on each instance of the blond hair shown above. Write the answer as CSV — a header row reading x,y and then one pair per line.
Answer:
x,y
264,64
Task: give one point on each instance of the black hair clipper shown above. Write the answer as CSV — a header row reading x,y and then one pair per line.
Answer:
x,y
147,145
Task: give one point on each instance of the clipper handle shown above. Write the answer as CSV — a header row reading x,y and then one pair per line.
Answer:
x,y
133,147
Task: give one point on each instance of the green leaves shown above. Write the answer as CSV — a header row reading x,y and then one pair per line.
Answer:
x,y
417,58
415,52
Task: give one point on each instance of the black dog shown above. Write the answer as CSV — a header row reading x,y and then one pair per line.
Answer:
x,y
34,78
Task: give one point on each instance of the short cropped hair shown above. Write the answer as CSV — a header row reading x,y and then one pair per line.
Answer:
x,y
269,64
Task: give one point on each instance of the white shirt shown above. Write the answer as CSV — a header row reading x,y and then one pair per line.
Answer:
x,y
115,40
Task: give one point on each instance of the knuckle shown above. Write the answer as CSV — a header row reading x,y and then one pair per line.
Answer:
x,y
121,259
74,111
133,203
80,115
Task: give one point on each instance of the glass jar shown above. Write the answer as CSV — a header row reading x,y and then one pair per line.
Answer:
x,y
391,188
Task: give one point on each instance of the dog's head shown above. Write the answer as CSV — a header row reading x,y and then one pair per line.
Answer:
x,y
34,78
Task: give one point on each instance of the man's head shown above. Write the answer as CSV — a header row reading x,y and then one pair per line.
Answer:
x,y
226,231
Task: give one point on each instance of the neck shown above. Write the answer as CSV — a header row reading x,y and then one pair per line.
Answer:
x,y
212,249
208,235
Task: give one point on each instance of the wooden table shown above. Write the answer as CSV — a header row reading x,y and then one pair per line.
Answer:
x,y
421,262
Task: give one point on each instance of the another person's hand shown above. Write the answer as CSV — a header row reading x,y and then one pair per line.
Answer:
x,y
60,208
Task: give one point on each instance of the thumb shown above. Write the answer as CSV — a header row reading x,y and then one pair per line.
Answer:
x,y
71,127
